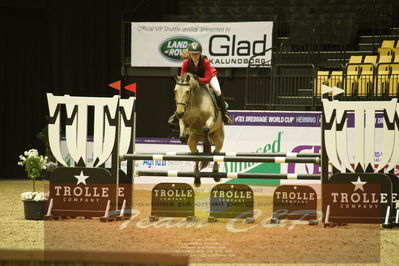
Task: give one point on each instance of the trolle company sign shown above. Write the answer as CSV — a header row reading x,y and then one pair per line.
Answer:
x,y
231,201
172,200
161,44
295,203
359,198
88,190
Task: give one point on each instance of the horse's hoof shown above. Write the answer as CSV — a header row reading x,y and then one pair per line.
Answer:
x,y
217,179
197,182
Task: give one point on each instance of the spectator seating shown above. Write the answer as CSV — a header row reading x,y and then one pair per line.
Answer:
x,y
366,78
383,72
387,47
352,75
394,78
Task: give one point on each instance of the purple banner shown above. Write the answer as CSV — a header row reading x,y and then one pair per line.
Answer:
x,y
282,119
157,141
379,120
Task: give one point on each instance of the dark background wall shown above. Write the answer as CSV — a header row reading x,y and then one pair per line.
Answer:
x,y
63,47
73,47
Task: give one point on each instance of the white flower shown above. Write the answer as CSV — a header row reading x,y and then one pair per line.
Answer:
x,y
40,161
35,196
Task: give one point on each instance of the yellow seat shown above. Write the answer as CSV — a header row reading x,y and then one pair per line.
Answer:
x,y
394,78
322,78
366,76
388,44
336,79
395,50
352,74
385,51
386,48
383,71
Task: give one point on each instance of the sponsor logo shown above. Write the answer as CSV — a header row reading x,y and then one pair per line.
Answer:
x,y
179,193
232,194
172,200
303,167
359,199
296,201
173,48
275,146
225,45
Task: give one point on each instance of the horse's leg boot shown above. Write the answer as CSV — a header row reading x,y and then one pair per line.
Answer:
x,y
223,107
197,181
173,120
183,139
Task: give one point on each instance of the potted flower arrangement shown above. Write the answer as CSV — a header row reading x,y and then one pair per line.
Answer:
x,y
34,202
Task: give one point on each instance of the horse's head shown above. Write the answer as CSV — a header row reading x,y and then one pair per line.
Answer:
x,y
183,90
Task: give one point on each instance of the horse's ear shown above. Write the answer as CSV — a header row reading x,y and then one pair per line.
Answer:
x,y
177,78
188,78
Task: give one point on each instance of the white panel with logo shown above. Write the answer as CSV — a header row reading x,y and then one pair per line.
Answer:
x,y
230,45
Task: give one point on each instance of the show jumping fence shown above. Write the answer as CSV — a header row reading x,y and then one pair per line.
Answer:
x,y
228,175
219,158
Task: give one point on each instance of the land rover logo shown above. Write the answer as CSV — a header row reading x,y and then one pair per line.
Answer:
x,y
173,48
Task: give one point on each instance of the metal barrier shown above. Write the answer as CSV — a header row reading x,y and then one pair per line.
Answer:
x,y
268,87
299,86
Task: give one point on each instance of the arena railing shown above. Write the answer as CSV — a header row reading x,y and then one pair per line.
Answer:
x,y
298,86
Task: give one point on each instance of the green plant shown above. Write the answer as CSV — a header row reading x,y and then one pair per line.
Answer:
x,y
43,136
33,163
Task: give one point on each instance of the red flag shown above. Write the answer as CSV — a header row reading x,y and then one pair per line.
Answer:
x,y
116,85
131,87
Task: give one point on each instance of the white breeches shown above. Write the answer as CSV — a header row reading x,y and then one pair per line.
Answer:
x,y
214,84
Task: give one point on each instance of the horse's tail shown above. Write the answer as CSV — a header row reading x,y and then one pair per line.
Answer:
x,y
207,149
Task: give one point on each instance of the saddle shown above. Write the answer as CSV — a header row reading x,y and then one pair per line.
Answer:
x,y
213,97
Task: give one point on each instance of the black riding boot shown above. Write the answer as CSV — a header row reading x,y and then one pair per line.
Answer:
x,y
173,120
223,107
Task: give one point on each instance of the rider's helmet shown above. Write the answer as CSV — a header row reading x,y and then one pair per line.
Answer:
x,y
194,48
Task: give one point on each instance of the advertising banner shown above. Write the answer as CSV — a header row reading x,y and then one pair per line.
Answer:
x,y
228,45
263,132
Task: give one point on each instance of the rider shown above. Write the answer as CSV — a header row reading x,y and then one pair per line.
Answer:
x,y
200,66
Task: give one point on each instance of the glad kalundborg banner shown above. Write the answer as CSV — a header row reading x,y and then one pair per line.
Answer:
x,y
160,44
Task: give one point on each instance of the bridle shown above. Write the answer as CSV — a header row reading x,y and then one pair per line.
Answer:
x,y
189,97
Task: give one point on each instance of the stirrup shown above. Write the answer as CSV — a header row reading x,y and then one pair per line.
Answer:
x,y
173,120
227,119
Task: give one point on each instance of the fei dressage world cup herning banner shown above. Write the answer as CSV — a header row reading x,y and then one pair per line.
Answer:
x,y
230,45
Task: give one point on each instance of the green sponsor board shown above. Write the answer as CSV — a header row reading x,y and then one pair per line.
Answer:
x,y
272,168
255,182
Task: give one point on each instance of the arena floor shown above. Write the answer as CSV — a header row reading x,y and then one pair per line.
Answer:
x,y
226,241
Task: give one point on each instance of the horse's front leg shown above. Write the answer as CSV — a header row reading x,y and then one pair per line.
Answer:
x,y
183,132
192,144
218,139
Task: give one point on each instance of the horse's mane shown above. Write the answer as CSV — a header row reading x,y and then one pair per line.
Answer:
x,y
200,85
